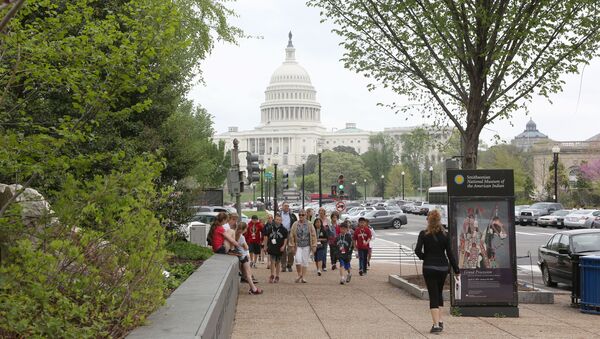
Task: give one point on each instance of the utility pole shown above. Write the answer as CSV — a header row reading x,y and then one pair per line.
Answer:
x,y
262,181
275,191
235,165
320,190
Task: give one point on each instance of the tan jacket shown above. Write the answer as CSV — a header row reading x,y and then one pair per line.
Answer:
x,y
292,239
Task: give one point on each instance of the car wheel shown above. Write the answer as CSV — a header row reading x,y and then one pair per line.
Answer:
x,y
397,224
543,226
546,277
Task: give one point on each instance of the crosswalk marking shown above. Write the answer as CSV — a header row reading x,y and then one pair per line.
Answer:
x,y
529,268
389,251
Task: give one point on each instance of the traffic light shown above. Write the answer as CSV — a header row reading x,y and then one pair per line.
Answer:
x,y
333,190
253,167
341,185
241,179
286,182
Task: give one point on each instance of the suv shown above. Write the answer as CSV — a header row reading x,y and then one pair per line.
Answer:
x,y
530,215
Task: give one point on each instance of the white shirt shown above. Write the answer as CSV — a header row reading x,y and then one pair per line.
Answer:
x,y
286,220
226,227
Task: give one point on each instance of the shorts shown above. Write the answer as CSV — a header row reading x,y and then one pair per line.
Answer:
x,y
254,248
302,256
243,259
276,258
221,250
345,264
321,254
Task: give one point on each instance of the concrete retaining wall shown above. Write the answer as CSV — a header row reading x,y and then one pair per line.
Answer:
x,y
202,307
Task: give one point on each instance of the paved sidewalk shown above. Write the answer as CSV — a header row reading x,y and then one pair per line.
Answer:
x,y
370,307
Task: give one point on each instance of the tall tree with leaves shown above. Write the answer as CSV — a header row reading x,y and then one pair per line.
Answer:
x,y
466,61
381,155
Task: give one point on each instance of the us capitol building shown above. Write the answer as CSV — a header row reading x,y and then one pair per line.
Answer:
x,y
290,122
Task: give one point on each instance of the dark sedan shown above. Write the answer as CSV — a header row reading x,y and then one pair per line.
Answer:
x,y
557,258
386,219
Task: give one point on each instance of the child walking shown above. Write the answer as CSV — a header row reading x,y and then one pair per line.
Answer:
x,y
275,242
362,238
344,253
242,248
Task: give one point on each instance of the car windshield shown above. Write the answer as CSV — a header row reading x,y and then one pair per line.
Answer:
x,y
581,212
354,212
586,242
539,205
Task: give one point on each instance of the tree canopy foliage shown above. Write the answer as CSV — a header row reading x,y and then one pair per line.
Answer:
x,y
93,114
463,61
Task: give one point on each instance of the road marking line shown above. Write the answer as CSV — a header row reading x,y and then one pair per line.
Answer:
x,y
525,233
528,268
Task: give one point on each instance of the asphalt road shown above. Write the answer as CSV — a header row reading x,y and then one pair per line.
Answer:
x,y
529,238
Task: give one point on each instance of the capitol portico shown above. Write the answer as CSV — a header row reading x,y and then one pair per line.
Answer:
x,y
290,126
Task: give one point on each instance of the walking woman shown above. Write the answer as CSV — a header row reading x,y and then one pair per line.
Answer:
x,y
433,247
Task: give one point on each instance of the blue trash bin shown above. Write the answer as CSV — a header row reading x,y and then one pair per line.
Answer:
x,y
590,282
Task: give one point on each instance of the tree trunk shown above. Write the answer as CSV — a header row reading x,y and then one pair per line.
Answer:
x,y
471,141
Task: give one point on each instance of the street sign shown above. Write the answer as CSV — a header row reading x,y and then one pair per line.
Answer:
x,y
269,175
340,206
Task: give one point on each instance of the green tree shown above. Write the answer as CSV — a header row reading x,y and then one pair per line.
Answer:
x,y
415,148
381,155
393,185
345,149
467,62
311,165
336,163
506,156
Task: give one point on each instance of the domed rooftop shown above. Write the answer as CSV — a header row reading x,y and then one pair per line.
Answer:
x,y
290,98
290,71
531,132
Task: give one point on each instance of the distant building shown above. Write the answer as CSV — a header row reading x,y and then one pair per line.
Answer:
x,y
529,137
290,126
571,155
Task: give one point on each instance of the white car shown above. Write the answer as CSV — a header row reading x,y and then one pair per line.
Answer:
x,y
579,218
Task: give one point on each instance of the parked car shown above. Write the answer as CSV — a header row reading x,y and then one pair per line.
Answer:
x,y
407,208
518,209
581,218
595,223
557,219
202,218
386,219
531,214
354,218
421,209
557,257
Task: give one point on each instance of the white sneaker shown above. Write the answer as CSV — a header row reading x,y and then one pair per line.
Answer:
x,y
342,281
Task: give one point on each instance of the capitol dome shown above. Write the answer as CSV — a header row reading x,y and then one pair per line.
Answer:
x,y
290,98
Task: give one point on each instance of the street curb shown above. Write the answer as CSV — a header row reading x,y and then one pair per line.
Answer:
x,y
525,297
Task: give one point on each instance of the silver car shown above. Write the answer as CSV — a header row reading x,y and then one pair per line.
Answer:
x,y
581,218
556,219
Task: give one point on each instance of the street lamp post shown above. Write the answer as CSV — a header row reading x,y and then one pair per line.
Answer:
x,y
402,185
365,181
353,190
275,207
382,187
555,151
430,180
421,168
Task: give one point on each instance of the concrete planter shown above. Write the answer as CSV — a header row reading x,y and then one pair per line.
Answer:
x,y
538,296
202,307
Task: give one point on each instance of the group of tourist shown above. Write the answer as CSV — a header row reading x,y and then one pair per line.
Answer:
x,y
285,240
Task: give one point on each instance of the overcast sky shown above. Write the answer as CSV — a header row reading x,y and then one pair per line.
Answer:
x,y
235,78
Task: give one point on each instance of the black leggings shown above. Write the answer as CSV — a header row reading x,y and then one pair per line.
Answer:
x,y
435,285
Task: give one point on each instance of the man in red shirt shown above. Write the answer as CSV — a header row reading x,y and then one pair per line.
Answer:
x,y
254,238
362,238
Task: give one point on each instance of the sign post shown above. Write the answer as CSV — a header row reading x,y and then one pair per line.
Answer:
x,y
340,206
482,229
